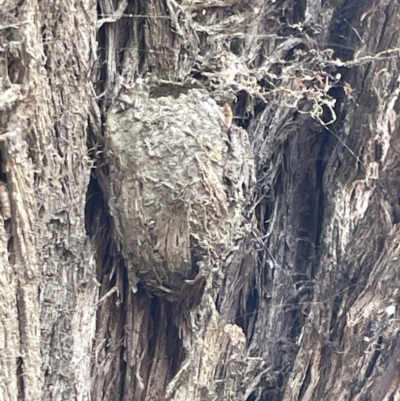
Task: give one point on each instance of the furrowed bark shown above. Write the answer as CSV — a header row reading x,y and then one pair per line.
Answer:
x,y
302,304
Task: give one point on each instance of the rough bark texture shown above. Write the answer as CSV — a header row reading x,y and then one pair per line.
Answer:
x,y
48,293
302,302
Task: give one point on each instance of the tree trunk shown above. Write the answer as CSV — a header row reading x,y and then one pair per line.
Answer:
x,y
151,249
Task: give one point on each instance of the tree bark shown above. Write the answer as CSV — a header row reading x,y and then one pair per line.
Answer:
x,y
300,302
48,293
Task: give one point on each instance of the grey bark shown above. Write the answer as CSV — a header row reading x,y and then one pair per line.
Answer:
x,y
301,302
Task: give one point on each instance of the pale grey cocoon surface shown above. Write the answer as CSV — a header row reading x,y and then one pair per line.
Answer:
x,y
178,184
